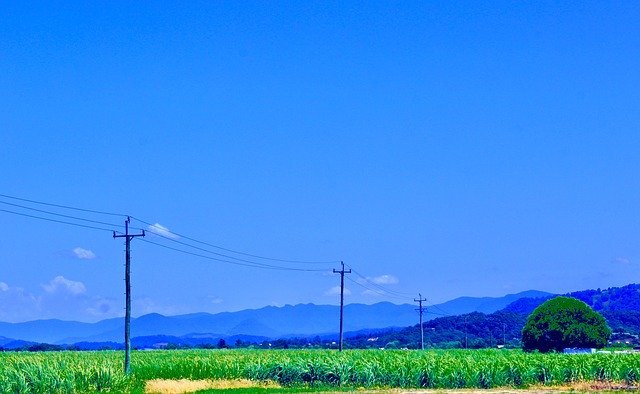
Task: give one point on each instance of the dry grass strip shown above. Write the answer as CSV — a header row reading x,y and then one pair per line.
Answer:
x,y
166,386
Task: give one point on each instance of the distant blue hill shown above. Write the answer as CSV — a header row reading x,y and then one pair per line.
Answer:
x,y
303,320
464,305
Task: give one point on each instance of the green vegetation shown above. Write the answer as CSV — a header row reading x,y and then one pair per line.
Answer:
x,y
473,331
62,372
66,372
620,306
564,322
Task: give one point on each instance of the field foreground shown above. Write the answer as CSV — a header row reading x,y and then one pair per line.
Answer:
x,y
320,370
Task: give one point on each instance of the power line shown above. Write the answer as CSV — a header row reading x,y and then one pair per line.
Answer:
x,y
56,221
61,215
381,288
254,265
445,313
142,221
62,206
203,249
235,251
439,314
376,288
377,291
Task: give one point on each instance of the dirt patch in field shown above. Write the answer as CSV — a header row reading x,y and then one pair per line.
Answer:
x,y
166,386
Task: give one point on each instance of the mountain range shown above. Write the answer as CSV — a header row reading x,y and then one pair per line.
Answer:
x,y
302,320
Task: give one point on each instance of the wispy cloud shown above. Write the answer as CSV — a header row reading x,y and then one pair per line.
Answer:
x,y
17,304
373,293
385,280
162,231
60,298
336,291
61,284
382,280
621,261
83,254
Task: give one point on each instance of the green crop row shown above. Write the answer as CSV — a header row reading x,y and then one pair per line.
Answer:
x,y
67,372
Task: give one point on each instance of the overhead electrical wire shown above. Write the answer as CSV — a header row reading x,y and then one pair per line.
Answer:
x,y
234,251
239,261
63,206
246,264
210,251
376,291
365,282
61,215
427,311
378,286
147,223
444,313
56,221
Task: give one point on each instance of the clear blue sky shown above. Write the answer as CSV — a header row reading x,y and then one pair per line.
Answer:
x,y
452,149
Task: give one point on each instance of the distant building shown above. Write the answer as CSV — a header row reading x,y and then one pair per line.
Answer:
x,y
578,350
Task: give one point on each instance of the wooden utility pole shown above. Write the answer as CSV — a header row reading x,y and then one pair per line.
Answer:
x,y
127,280
465,331
420,309
341,272
504,335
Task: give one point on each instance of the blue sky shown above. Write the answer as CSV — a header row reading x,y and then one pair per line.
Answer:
x,y
451,149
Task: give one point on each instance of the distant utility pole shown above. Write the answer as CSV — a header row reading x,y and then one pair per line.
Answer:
x,y
420,300
341,272
504,335
127,280
465,331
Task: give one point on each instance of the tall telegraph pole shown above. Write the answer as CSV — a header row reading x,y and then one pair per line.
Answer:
x,y
127,280
465,331
420,309
341,272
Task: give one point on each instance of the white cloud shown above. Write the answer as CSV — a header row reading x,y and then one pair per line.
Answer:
x,y
215,300
83,254
373,293
61,284
621,261
17,305
60,298
384,280
162,231
336,291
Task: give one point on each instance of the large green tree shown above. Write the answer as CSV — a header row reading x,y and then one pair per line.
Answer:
x,y
564,322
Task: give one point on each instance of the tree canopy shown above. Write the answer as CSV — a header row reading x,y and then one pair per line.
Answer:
x,y
564,322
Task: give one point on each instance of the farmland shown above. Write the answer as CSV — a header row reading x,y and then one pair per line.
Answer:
x,y
102,371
